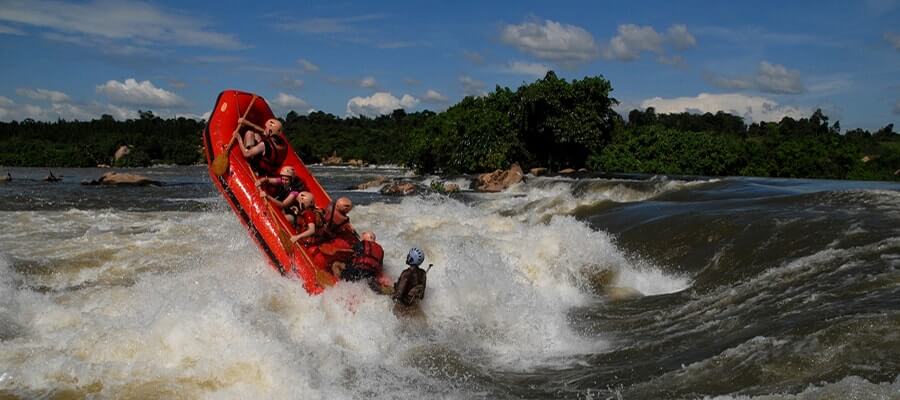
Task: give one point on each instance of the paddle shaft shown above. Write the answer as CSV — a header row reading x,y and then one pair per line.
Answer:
x,y
220,164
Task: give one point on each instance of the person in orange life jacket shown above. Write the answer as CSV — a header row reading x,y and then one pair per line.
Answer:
x,y
285,187
367,263
410,287
307,221
264,148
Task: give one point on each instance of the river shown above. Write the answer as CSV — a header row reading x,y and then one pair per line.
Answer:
x,y
632,287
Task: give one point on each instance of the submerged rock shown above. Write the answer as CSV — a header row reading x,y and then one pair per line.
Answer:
x,y
115,178
538,171
381,180
499,180
400,189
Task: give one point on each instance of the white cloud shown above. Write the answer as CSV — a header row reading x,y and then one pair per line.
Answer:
x,y
136,93
368,82
379,104
897,108
525,68
328,25
285,101
631,41
893,39
552,41
680,38
8,30
770,78
308,66
12,111
137,22
472,87
775,78
433,96
752,108
44,94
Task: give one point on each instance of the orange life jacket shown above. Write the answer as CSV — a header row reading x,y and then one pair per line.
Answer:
x,y
368,255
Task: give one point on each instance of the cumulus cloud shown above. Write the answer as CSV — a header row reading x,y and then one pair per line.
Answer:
x,y
368,82
433,96
472,87
134,22
44,94
552,41
751,108
379,104
525,68
769,78
632,40
680,38
308,66
893,39
12,111
136,93
285,101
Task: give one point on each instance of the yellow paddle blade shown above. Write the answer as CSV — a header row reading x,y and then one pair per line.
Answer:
x,y
220,163
323,278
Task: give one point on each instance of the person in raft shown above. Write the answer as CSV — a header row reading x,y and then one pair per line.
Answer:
x,y
410,287
367,263
264,148
337,222
282,189
308,219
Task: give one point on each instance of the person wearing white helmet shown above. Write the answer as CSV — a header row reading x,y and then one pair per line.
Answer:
x,y
282,189
410,287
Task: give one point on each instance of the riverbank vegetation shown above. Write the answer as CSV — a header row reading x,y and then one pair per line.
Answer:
x,y
549,123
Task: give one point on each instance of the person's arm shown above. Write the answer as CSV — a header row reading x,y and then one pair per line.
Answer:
x,y
245,122
310,230
286,202
252,151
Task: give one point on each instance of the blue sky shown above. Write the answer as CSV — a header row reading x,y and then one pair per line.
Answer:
x,y
761,59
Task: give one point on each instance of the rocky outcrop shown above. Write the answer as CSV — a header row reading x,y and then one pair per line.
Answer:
x,y
450,187
567,171
538,171
333,159
356,163
379,181
499,180
115,178
6,178
400,189
122,152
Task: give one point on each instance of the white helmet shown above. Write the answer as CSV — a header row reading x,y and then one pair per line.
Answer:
x,y
415,257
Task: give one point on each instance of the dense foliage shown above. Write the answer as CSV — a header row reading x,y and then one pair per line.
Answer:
x,y
548,123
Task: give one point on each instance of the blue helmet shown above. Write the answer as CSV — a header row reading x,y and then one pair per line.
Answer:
x,y
415,257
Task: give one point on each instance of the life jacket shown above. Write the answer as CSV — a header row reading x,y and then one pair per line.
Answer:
x,y
410,287
273,155
329,229
282,191
368,255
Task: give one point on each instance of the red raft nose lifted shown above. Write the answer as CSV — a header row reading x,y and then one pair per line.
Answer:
x,y
266,224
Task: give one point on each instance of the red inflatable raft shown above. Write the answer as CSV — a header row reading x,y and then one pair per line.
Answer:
x,y
264,221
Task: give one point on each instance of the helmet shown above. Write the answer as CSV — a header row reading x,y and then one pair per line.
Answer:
x,y
287,171
415,257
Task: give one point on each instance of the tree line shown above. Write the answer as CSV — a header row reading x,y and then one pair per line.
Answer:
x,y
549,123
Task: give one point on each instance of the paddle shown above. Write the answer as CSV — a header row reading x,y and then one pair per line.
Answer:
x,y
220,163
282,235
